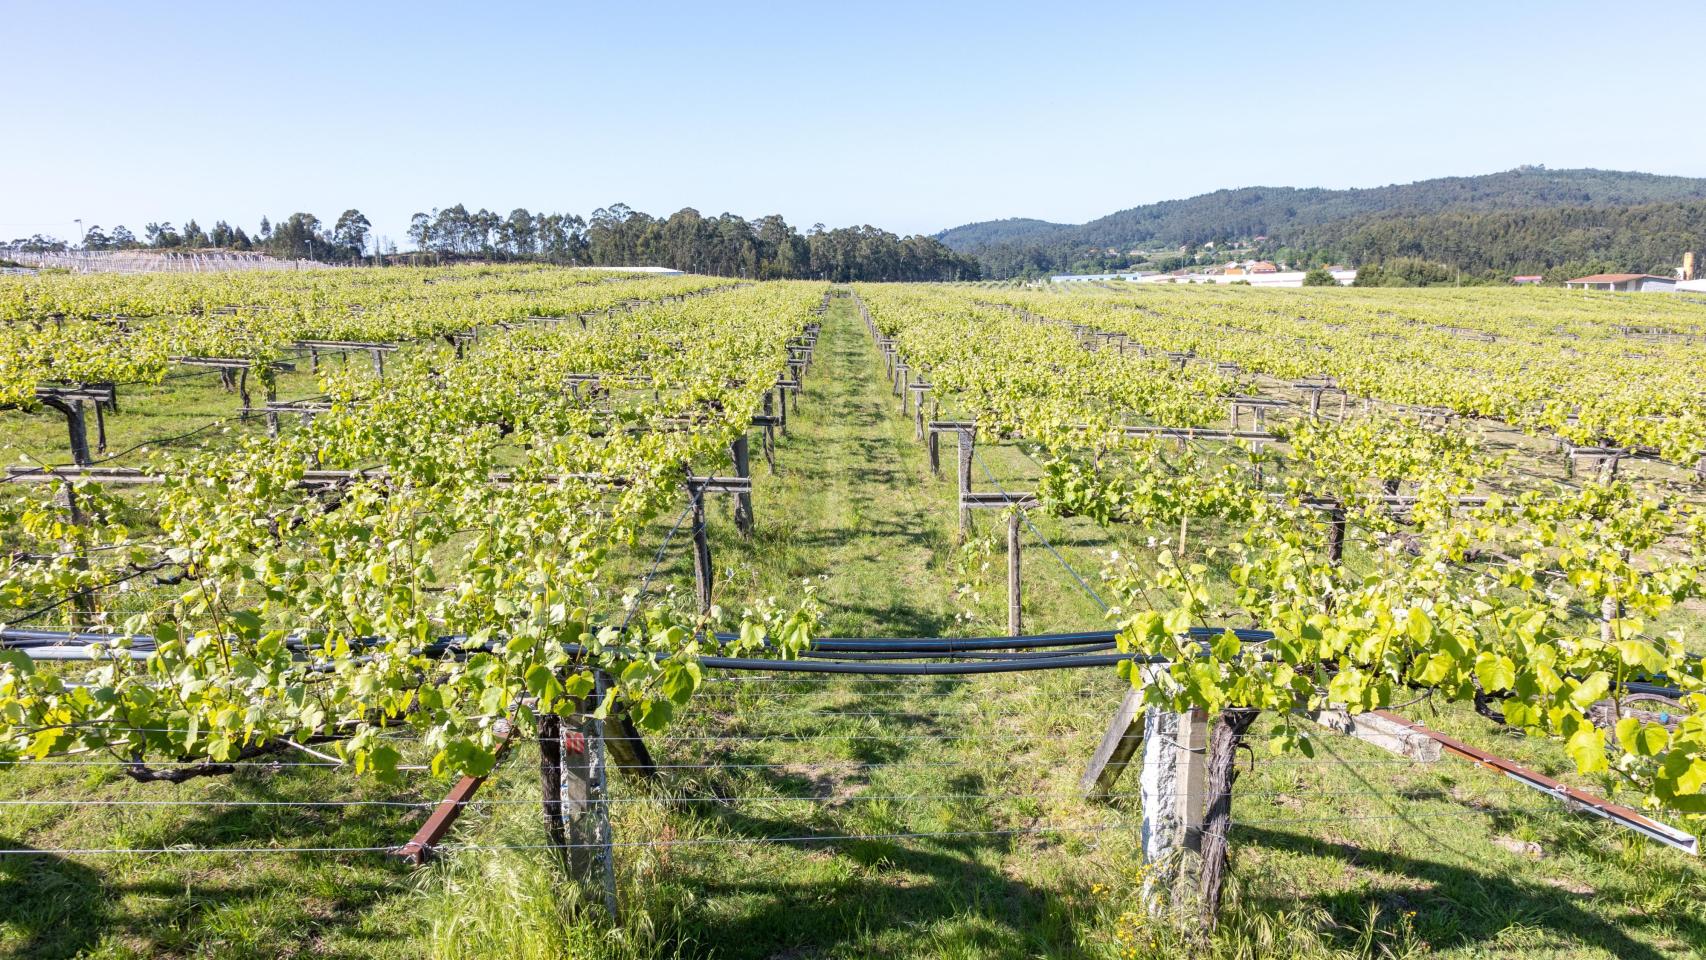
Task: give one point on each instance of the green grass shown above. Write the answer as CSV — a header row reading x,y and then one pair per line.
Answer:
x,y
1353,856
195,905
190,401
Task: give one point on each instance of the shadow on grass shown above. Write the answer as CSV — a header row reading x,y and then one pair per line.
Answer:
x,y
927,887
896,620
1459,907
56,906
230,904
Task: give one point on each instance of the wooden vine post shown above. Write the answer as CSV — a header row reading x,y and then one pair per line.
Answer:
x,y
738,451
919,391
968,438
1015,623
698,488
76,426
83,601
701,553
769,422
74,403
551,783
1336,533
578,822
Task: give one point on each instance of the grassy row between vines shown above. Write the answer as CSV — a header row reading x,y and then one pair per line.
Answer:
x,y
1351,857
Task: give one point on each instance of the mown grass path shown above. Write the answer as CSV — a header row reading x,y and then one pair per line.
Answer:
x,y
1349,854
854,507
953,780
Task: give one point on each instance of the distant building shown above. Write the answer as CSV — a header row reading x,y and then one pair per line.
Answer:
x,y
1239,268
1289,278
1623,283
1135,275
660,271
1528,280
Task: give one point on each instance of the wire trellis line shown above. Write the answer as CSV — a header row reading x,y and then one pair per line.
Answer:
x,y
238,764
475,847
1088,591
501,802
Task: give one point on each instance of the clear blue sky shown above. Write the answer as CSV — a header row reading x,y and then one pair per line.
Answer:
x,y
913,117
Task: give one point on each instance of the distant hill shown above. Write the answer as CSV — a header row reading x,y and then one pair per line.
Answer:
x,y
1012,230
1557,242
1282,213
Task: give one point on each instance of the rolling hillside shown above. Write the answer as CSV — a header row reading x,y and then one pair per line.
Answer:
x,y
1305,217
1256,211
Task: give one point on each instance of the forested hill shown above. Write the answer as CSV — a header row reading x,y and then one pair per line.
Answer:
x,y
1012,230
1259,211
1287,213
1557,242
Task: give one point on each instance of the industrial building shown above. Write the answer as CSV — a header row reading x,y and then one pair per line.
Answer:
x,y
1623,283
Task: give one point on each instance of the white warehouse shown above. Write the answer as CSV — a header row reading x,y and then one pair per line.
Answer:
x,y
1623,283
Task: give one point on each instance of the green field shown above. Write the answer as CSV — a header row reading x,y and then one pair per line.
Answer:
x,y
1353,853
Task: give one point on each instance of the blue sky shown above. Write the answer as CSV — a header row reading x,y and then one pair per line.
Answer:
x,y
913,117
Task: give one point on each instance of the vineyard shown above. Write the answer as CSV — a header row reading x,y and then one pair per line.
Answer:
x,y
541,612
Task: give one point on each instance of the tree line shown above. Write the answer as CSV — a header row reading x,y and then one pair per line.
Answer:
x,y
301,236
615,236
725,245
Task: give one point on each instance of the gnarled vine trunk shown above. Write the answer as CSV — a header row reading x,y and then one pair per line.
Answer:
x,y
1222,772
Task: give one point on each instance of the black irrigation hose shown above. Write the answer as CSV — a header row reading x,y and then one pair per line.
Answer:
x,y
924,669
967,655
43,639
951,645
868,661
1038,638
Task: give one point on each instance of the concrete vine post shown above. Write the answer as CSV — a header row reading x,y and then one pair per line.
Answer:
x,y
1171,791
